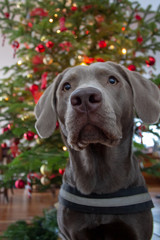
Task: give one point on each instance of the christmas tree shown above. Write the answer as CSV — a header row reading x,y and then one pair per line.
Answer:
x,y
49,36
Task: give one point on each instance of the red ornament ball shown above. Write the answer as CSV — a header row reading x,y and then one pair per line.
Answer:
x,y
132,67
99,18
16,141
100,60
102,44
15,44
36,136
3,145
30,24
151,61
86,8
61,171
74,8
49,44
88,60
10,126
40,48
19,183
57,125
6,129
138,17
139,39
6,14
21,99
29,135
38,12
37,59
34,88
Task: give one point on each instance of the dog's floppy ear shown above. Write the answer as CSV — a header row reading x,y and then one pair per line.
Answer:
x,y
146,95
45,111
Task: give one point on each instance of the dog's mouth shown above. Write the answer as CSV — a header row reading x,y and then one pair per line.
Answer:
x,y
91,134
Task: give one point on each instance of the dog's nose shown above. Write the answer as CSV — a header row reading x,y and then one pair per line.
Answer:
x,y
86,99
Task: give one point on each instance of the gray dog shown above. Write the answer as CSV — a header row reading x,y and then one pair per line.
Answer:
x,y
103,196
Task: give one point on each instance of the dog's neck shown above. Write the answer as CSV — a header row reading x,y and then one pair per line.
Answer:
x,y
102,169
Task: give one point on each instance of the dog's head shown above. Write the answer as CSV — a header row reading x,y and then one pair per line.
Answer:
x,y
94,104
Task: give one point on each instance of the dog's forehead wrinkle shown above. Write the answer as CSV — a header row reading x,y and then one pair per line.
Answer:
x,y
70,76
105,69
77,71
91,82
83,77
100,70
90,73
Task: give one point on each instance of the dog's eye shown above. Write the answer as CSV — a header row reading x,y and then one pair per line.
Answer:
x,y
112,80
66,86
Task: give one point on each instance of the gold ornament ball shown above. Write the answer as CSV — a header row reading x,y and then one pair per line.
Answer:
x,y
47,60
45,170
68,25
90,20
43,38
38,141
45,181
29,75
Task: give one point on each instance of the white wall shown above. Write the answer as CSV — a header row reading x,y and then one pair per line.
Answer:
x,y
6,54
145,3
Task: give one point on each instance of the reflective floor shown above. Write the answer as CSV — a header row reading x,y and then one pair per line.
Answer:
x,y
20,207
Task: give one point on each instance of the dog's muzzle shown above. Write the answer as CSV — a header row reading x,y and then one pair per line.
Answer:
x,y
124,201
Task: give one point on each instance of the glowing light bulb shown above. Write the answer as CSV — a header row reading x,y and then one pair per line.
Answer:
x,y
51,20
79,57
58,31
83,64
18,4
124,51
111,47
64,148
19,62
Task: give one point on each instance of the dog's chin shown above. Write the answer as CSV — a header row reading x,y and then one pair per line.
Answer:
x,y
92,135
